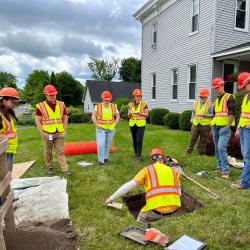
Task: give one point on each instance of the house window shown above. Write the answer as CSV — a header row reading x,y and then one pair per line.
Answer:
x,y
154,36
194,16
192,81
174,80
153,86
241,14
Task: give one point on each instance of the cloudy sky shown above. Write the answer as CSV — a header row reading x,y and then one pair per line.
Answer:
x,y
62,34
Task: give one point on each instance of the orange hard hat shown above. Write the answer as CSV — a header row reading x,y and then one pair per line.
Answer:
x,y
49,90
218,82
137,92
10,92
243,79
156,151
106,95
204,93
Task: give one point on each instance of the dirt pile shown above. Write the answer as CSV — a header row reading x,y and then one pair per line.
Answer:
x,y
54,235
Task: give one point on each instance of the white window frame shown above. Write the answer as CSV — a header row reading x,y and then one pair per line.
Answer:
x,y
154,31
189,81
246,19
152,85
191,17
173,83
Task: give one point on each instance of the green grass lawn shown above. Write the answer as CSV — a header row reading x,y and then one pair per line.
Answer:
x,y
222,224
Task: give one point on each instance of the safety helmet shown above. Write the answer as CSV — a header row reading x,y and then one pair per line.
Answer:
x,y
204,93
49,90
137,92
9,92
106,95
243,79
218,82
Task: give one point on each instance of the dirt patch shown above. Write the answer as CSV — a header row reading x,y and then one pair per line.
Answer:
x,y
54,235
188,204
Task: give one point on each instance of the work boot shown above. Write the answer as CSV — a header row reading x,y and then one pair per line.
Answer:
x,y
67,172
101,164
51,171
138,158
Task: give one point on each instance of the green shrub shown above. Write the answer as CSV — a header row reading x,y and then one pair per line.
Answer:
x,y
172,120
22,122
156,116
75,115
87,118
184,121
121,101
239,97
148,118
124,112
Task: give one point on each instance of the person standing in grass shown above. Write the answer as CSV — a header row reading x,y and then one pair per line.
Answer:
x,y
105,117
161,186
224,118
201,118
52,122
9,98
244,131
137,113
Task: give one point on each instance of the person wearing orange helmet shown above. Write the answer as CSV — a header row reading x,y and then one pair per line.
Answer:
x,y
105,117
244,130
161,186
202,114
52,122
137,113
224,118
9,98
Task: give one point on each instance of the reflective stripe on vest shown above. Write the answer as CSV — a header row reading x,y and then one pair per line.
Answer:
x,y
100,119
245,112
135,116
9,131
204,110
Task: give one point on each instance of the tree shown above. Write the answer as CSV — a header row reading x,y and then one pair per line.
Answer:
x,y
130,70
35,82
103,69
69,90
7,80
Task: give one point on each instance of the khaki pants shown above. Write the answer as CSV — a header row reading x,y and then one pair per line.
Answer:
x,y
58,144
196,132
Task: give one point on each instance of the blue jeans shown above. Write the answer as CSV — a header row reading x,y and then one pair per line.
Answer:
x,y
221,136
9,161
104,138
245,150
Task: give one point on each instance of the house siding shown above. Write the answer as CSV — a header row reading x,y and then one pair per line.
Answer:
x,y
226,35
177,49
88,105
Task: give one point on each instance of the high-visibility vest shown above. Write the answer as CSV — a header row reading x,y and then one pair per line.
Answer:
x,y
245,112
52,121
9,132
221,112
106,118
137,119
162,188
201,111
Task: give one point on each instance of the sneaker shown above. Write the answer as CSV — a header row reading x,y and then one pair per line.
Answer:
x,y
225,176
218,170
138,158
101,164
67,172
237,186
51,171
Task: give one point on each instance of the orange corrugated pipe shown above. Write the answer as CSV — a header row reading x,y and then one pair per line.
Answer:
x,y
77,148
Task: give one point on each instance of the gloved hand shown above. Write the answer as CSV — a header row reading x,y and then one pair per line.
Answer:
x,y
156,236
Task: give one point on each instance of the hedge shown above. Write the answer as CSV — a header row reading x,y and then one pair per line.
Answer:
x,y
121,101
157,115
124,112
172,120
184,120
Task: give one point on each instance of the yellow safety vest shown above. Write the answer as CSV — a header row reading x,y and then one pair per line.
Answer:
x,y
9,132
52,121
106,119
245,112
204,110
221,112
162,189
137,119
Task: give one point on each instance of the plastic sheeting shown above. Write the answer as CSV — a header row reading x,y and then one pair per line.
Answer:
x,y
40,199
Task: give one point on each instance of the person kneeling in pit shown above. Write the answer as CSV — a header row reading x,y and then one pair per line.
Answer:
x,y
161,186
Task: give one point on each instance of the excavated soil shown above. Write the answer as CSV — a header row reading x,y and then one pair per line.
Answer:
x,y
54,235
188,204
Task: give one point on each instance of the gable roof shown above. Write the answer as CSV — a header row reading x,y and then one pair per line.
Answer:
x,y
117,89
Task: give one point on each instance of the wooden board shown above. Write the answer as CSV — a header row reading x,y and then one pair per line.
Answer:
x,y
115,205
20,168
